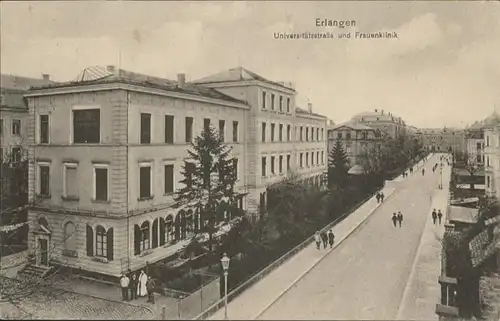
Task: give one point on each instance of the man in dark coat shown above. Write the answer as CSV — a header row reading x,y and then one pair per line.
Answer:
x,y
434,216
382,197
150,286
440,216
324,238
394,219
378,197
133,286
400,218
331,238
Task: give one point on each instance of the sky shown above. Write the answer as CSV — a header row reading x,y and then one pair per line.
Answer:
x,y
443,70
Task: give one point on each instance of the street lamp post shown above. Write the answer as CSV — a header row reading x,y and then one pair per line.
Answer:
x,y
225,266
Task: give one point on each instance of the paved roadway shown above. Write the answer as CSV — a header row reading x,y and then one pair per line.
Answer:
x,y
365,277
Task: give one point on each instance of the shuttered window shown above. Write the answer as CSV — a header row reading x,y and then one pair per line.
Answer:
x,y
90,241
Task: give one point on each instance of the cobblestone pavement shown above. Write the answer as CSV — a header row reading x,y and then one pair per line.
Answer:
x,y
365,277
49,303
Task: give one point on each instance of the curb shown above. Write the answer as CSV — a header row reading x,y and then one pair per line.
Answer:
x,y
417,255
365,220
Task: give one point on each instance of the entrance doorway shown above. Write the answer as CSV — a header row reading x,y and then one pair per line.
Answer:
x,y
43,245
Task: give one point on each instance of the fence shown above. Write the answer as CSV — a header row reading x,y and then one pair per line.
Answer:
x,y
271,267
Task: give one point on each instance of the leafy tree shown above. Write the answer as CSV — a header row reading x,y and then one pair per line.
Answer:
x,y
338,165
472,166
209,179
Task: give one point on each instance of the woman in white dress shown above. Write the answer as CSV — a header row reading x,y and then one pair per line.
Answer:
x,y
141,284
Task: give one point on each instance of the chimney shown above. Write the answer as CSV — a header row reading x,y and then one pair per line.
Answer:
x,y
111,68
45,76
310,107
382,111
181,80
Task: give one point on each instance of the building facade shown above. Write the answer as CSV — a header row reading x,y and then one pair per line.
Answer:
x,y
474,139
492,160
442,139
392,125
356,139
107,152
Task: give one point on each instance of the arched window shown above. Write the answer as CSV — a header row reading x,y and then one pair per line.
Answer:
x,y
69,237
42,221
101,246
190,224
145,236
169,228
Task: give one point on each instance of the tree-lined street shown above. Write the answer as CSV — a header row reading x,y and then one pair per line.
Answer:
x,y
365,277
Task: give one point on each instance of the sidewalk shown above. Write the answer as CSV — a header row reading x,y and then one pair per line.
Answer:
x,y
423,291
255,300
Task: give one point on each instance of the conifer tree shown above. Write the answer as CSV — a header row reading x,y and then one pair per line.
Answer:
x,y
208,184
338,165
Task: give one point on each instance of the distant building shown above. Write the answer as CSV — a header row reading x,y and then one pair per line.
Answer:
x,y
386,122
105,172
356,138
442,139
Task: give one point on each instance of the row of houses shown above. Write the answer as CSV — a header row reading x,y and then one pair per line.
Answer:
x,y
105,154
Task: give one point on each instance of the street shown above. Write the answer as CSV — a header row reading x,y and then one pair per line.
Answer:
x,y
365,277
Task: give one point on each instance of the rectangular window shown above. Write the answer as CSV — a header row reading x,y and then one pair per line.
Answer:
x,y
101,183
300,136
1,126
478,146
235,167
280,164
280,133
222,129
288,157
189,129
86,126
169,129
288,105
272,132
263,132
273,160
307,159
169,178
322,157
235,131
16,154
317,134
288,133
145,128
263,166
16,127
206,124
307,134
44,180
322,134
44,129
264,98
1,155
272,101
301,160
145,181
70,181
281,103
317,158
101,239
312,158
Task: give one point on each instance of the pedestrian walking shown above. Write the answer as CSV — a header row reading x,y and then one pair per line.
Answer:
x,y
124,282
434,216
394,219
400,218
317,239
423,171
324,238
381,197
378,197
440,216
331,238
133,287
150,287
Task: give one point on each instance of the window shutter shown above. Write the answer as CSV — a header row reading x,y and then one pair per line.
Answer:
x,y
109,236
162,231
155,234
137,240
90,241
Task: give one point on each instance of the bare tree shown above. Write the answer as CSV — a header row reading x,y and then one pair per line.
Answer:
x,y
472,166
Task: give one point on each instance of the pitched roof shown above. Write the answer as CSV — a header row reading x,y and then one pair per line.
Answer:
x,y
100,74
305,112
13,88
353,125
236,75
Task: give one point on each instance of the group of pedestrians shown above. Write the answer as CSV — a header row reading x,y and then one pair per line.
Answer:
x,y
137,286
397,218
380,197
437,216
325,238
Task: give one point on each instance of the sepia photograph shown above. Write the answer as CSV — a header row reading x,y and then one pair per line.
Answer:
x,y
250,160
